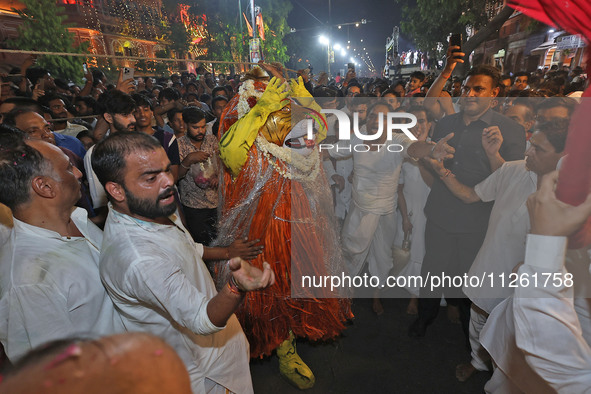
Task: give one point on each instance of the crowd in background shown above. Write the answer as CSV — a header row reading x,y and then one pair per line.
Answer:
x,y
183,113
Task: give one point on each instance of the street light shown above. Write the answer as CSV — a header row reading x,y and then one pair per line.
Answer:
x,y
325,41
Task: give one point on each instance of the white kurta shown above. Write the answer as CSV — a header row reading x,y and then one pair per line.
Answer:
x,y
540,337
553,328
415,193
370,226
50,287
157,279
342,167
504,245
96,189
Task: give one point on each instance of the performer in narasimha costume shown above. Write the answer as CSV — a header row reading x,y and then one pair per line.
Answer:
x,y
274,190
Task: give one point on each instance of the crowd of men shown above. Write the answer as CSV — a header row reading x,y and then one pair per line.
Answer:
x,y
110,205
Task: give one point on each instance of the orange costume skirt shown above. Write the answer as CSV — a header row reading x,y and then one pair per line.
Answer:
x,y
294,221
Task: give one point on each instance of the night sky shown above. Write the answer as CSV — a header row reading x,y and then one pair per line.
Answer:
x,y
381,15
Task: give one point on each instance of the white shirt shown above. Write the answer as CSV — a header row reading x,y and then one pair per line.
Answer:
x,y
50,287
552,327
342,167
375,173
72,129
504,245
97,191
209,127
157,279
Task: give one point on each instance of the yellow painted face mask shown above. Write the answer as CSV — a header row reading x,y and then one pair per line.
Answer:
x,y
277,126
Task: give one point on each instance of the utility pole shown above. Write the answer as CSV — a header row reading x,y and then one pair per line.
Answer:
x,y
329,39
240,15
254,24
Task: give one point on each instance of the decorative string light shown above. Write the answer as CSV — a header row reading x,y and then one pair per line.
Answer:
x,y
139,25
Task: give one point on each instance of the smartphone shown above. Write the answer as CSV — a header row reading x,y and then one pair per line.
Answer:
x,y
456,40
85,68
127,73
351,66
42,84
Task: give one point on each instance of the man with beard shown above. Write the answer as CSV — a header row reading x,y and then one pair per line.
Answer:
x,y
155,274
58,111
198,176
118,113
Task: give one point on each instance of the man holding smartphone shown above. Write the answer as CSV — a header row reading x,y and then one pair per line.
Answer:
x,y
455,230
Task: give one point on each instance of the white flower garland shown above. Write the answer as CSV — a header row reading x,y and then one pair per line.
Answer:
x,y
246,91
307,167
202,166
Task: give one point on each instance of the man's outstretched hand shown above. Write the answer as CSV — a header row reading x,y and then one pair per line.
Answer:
x,y
442,151
249,278
245,249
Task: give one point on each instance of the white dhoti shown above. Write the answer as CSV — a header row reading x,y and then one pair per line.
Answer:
x,y
368,237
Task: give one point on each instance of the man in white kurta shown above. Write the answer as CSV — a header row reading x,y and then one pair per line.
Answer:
x,y
503,247
540,337
338,173
50,286
154,272
370,227
157,279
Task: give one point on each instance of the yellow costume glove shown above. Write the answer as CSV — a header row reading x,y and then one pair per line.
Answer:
x,y
299,91
237,141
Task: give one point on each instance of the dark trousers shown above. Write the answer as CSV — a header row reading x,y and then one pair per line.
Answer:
x,y
202,224
451,254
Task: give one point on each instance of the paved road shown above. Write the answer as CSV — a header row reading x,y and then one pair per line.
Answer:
x,y
375,355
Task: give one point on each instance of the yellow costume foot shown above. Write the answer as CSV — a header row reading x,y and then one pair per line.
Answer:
x,y
292,367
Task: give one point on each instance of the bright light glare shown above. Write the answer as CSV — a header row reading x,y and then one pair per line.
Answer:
x,y
337,47
343,52
323,40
